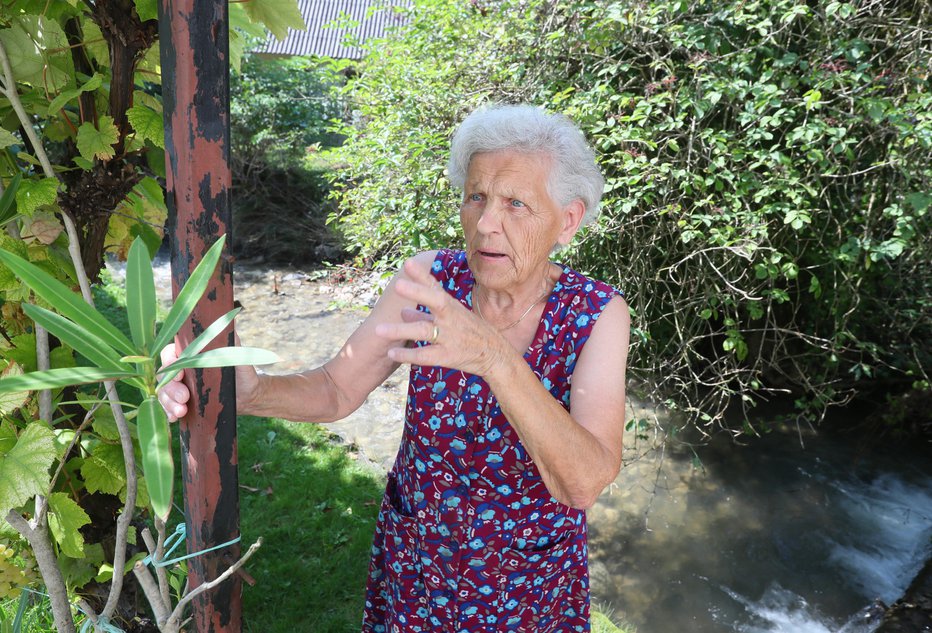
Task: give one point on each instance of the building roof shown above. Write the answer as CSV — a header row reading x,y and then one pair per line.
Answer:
x,y
329,22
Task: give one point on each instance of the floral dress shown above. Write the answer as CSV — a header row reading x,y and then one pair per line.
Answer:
x,y
468,537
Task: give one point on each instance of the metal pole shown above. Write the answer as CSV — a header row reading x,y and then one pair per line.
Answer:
x,y
196,97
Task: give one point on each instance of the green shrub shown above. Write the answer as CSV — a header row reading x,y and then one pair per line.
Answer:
x,y
768,177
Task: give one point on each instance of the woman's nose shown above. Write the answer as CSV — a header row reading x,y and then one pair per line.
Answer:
x,y
489,220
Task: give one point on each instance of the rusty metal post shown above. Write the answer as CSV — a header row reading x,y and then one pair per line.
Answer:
x,y
196,97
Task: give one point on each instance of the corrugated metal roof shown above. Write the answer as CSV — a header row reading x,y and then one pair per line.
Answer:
x,y
329,22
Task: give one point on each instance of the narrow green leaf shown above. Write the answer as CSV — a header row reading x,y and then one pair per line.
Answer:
x,y
220,357
209,334
66,302
80,340
189,295
140,296
61,377
155,444
8,200
24,470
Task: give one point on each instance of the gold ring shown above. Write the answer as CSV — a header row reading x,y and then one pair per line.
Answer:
x,y
433,339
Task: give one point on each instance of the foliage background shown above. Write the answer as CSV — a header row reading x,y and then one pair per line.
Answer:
x,y
768,179
281,115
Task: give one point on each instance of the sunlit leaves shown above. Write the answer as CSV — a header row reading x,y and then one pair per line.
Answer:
x,y
39,52
97,141
24,470
277,15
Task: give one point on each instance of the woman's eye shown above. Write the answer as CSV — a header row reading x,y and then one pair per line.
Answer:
x,y
517,203
475,197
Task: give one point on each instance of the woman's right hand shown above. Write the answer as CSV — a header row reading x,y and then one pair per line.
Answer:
x,y
175,395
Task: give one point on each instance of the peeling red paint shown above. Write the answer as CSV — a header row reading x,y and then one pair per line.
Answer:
x,y
195,86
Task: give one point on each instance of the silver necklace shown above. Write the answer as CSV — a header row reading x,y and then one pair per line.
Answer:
x,y
475,303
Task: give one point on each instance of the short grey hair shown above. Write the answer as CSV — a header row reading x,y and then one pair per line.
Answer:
x,y
574,173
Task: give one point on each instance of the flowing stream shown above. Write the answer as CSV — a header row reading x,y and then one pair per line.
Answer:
x,y
789,533
792,532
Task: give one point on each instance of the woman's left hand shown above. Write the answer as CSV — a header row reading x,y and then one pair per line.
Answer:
x,y
457,338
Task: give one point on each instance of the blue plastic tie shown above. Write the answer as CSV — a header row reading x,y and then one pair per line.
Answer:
x,y
174,540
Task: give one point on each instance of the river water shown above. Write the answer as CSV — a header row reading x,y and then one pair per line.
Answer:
x,y
793,532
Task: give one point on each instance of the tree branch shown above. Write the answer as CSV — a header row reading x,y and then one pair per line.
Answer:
x,y
174,622
38,540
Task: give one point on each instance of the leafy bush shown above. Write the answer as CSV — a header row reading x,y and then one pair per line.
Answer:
x,y
281,112
768,176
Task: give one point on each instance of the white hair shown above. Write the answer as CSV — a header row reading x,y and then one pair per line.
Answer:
x,y
574,174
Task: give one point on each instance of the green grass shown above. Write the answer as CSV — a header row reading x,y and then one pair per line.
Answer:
x,y
315,508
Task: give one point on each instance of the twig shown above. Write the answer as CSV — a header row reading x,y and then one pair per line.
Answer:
x,y
174,622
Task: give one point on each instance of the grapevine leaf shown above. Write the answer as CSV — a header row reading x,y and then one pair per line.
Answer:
x,y
65,521
148,124
13,400
7,138
97,142
155,445
104,471
277,15
33,194
24,470
147,9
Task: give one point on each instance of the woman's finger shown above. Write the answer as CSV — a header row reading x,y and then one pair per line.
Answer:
x,y
410,315
421,330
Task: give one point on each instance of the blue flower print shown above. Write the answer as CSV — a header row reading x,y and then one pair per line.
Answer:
x,y
477,493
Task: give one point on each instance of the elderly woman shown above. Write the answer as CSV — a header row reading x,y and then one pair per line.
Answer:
x,y
516,395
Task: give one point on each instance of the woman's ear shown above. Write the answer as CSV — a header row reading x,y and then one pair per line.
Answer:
x,y
572,219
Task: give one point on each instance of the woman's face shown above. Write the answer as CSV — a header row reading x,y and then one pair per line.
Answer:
x,y
510,221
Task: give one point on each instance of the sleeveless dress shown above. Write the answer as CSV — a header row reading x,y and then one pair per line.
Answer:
x,y
468,537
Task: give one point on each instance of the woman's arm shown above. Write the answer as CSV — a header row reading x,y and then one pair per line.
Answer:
x,y
578,453
323,394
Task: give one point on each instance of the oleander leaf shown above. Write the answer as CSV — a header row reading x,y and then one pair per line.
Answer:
x,y
189,295
79,339
155,445
140,296
66,302
220,357
61,377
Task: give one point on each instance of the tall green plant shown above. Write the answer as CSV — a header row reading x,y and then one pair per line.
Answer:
x,y
133,361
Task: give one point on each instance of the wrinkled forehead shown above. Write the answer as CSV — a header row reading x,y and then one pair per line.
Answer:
x,y
508,169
